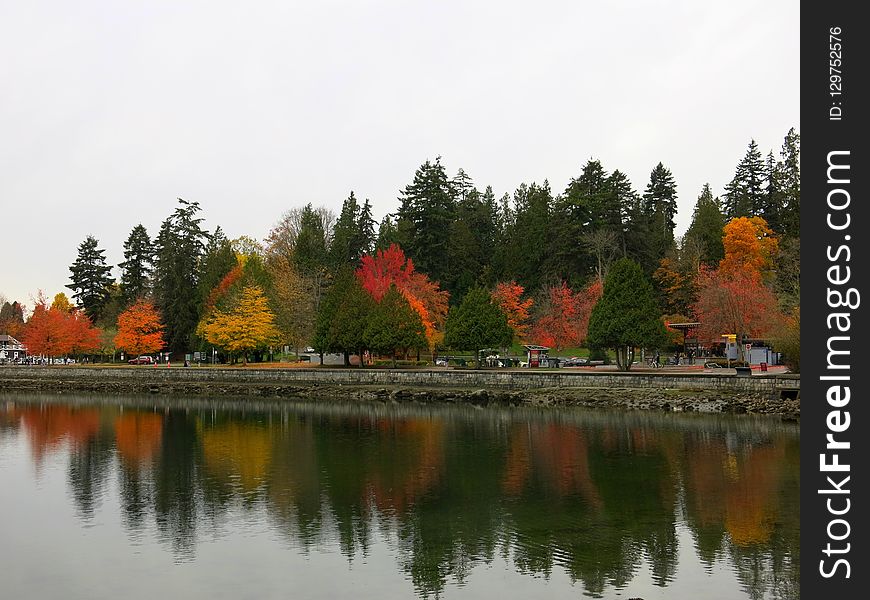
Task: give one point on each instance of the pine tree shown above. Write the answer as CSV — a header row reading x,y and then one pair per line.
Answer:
x,y
627,315
427,209
659,209
180,247
394,326
477,323
528,240
789,168
388,234
345,249
706,227
744,195
138,266
90,279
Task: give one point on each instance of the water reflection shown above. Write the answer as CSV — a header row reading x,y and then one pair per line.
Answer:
x,y
598,496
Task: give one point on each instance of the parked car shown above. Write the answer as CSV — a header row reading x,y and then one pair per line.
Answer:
x,y
141,360
575,361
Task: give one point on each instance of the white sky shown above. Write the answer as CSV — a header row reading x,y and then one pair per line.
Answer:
x,y
110,110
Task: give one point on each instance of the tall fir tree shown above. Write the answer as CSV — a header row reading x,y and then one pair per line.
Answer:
x,y
660,209
353,234
706,228
529,237
744,195
388,233
218,259
90,278
789,177
138,266
427,209
180,247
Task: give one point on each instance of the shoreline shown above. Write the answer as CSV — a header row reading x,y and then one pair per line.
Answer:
x,y
678,392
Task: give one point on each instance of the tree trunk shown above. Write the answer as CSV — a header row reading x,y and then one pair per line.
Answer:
x,y
346,358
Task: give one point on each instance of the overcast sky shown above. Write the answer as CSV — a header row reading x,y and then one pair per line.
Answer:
x,y
111,110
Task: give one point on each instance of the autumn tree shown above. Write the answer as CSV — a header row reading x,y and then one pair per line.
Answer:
x,y
140,330
557,323
508,297
11,318
89,278
627,315
248,326
386,268
477,323
749,245
62,303
735,302
55,332
294,312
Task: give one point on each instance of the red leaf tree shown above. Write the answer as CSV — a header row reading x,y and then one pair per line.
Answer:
x,y
735,302
390,267
54,332
508,296
140,330
563,319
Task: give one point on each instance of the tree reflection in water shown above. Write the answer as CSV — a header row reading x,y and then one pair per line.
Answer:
x,y
598,495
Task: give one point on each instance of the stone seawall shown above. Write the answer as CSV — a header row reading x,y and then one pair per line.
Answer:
x,y
670,391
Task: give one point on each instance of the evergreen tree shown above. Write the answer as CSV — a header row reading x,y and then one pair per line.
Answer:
x,y
218,259
427,209
627,314
773,200
366,229
623,199
789,177
388,234
90,279
706,227
180,247
310,252
138,266
345,248
472,238
659,210
343,317
528,240
744,195
394,326
477,323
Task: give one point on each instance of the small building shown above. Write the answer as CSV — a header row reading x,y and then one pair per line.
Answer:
x,y
537,356
11,350
690,336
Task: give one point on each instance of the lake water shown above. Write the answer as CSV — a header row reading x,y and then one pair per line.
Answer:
x,y
127,498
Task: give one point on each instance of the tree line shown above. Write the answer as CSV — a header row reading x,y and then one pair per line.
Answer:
x,y
543,260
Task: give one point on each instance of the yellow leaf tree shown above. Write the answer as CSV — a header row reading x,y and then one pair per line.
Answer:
x,y
248,326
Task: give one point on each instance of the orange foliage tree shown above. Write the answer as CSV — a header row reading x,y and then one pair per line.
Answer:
x,y
54,332
508,297
390,267
140,330
750,245
564,315
248,326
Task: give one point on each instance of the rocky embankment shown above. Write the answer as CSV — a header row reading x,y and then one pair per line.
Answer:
x,y
718,398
